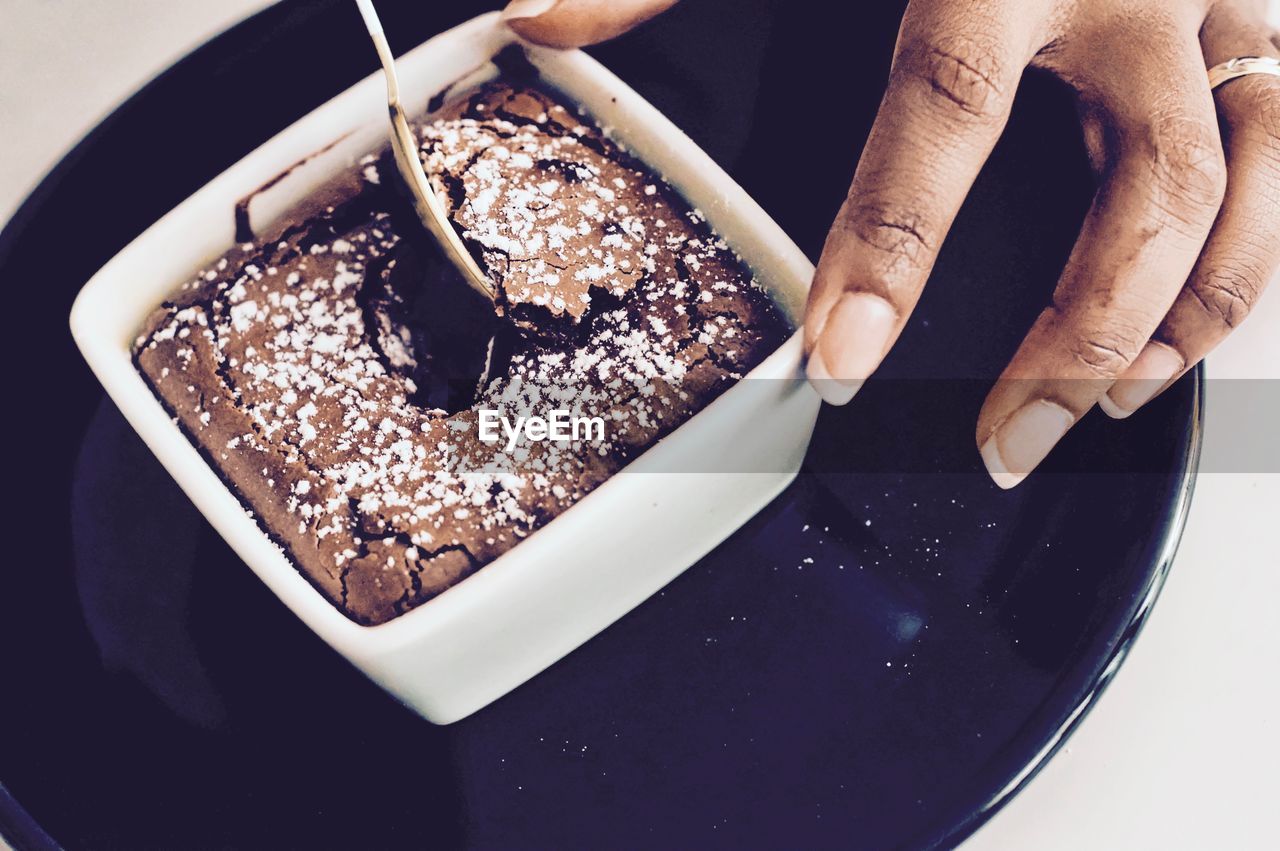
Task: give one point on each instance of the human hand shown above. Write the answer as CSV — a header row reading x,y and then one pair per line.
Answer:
x,y
1181,239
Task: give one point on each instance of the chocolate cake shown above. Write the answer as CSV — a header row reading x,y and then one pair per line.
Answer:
x,y
306,363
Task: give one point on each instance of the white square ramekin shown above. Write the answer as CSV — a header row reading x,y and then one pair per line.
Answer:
x,y
458,652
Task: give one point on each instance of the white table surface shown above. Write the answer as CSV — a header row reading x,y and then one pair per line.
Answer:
x,y
1182,751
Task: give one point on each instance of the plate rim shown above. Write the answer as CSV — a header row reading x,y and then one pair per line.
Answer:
x,y
1176,522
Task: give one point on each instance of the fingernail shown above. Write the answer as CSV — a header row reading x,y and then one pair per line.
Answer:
x,y
1149,372
832,390
1020,443
851,345
517,9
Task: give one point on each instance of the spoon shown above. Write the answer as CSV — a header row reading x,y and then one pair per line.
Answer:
x,y
405,148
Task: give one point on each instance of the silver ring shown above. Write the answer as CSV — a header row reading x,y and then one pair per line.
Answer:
x,y
1242,66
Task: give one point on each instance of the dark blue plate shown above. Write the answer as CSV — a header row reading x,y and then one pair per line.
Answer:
x,y
880,659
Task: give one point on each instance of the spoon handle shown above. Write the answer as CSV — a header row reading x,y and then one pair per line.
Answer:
x,y
405,148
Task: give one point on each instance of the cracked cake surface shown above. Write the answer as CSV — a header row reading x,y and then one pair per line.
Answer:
x,y
301,363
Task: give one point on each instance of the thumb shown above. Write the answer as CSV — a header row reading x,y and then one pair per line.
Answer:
x,y
574,23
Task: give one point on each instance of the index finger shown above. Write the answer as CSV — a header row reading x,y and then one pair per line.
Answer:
x,y
954,74
576,23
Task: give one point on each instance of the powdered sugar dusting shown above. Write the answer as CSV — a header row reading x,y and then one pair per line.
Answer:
x,y
289,362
